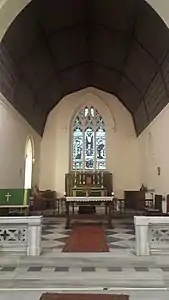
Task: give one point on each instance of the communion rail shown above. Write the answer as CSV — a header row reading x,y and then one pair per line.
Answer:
x,y
152,235
21,235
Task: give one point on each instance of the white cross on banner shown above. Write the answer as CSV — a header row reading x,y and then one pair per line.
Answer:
x,y
8,195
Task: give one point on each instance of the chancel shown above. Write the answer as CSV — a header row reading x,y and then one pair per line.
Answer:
x,y
84,118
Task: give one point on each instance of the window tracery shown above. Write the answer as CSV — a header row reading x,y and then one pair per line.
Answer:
x,y
89,140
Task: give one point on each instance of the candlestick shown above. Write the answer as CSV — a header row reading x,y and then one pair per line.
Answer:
x,y
93,178
84,178
75,179
98,179
102,179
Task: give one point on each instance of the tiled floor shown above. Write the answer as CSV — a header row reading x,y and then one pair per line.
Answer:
x,y
54,236
60,269
98,271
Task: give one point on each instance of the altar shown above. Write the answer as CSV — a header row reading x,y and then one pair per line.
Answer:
x,y
88,189
107,200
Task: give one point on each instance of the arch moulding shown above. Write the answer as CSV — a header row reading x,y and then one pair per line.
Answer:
x,y
91,99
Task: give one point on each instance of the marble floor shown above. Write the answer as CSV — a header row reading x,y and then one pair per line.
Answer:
x,y
120,239
117,271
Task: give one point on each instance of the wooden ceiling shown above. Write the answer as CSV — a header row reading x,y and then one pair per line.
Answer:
x,y
54,48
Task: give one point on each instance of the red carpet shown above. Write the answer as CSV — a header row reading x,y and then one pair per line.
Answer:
x,y
48,296
88,238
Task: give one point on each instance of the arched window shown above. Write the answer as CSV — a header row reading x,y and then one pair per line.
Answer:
x,y
28,164
88,140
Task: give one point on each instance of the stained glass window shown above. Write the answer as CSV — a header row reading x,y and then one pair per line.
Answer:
x,y
89,140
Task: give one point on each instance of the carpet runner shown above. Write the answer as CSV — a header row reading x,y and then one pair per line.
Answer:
x,y
49,296
87,238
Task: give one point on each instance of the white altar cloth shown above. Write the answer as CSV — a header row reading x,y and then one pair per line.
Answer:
x,y
90,199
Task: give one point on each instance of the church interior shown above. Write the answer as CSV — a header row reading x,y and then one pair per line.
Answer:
x,y
84,116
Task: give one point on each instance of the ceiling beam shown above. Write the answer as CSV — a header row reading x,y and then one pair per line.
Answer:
x,y
50,55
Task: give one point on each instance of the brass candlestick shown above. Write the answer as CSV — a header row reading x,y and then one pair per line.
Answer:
x,y
84,178
102,179
98,179
75,181
93,178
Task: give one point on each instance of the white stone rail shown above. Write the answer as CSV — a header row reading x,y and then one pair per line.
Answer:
x,y
21,235
152,235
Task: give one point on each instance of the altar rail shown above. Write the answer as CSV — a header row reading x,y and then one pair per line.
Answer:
x,y
21,235
152,235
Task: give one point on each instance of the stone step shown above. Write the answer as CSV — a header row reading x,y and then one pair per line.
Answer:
x,y
79,279
88,259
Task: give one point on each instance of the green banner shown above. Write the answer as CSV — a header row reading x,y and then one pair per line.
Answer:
x,y
14,197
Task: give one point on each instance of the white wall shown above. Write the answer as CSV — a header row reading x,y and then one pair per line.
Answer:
x,y
14,131
122,151
9,9
154,152
162,8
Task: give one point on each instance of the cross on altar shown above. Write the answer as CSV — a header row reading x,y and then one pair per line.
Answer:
x,y
8,195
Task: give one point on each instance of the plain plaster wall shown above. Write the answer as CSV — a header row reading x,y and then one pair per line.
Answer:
x,y
14,133
154,152
122,151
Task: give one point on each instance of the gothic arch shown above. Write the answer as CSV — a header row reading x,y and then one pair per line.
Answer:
x,y
30,138
29,160
92,99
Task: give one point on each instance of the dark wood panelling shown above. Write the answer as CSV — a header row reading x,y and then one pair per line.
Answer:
x,y
58,47
156,97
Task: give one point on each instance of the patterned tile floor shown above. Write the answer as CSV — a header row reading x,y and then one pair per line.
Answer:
x,y
73,270
54,236
54,270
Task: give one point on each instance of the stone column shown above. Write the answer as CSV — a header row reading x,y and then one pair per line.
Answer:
x,y
34,236
141,232
164,205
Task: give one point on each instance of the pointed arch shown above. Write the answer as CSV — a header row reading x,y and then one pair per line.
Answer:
x,y
88,140
29,160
